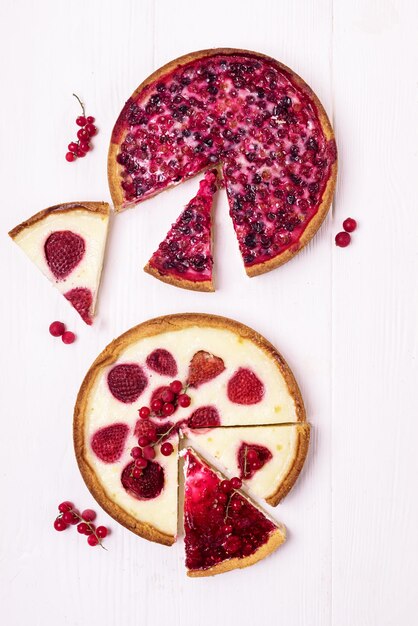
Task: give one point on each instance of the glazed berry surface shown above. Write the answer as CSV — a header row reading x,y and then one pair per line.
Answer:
x,y
249,114
186,252
216,527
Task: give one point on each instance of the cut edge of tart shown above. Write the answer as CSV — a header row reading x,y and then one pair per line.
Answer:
x,y
271,488
199,209
64,256
272,536
252,268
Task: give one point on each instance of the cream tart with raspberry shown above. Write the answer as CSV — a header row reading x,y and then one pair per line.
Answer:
x,y
67,243
229,374
252,116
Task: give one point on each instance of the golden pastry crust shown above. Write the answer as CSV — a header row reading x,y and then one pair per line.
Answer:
x,y
301,451
176,281
111,353
277,537
66,207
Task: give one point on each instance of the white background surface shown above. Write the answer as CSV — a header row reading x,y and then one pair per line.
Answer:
x,y
346,320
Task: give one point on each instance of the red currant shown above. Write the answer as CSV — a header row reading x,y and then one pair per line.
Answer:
x,y
236,482
68,337
227,529
81,121
226,486
101,532
252,455
148,452
157,405
83,135
70,156
82,527
81,153
73,147
232,544
167,449
256,465
349,225
222,498
140,463
137,472
92,540
90,119
144,412
69,518
91,129
184,400
59,524
57,329
168,408
85,147
143,441
88,515
167,395
342,239
136,452
176,386
65,506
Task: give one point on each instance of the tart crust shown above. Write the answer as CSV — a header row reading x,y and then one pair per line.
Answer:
x,y
275,540
111,353
66,207
202,285
260,268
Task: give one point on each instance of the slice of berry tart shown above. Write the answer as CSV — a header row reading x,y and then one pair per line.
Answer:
x,y
257,119
223,529
268,459
67,243
173,372
184,258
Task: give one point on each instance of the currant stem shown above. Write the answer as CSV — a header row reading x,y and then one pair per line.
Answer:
x,y
88,523
81,104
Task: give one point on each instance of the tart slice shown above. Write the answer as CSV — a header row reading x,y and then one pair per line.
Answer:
x,y
67,243
223,529
184,258
268,459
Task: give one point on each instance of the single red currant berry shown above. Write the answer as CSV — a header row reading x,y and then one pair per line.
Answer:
x,y
157,405
101,532
92,540
85,147
232,544
68,517
247,549
236,482
81,153
70,156
140,463
222,498
176,386
88,515
73,147
59,524
236,504
144,412
68,337
256,465
57,329
167,395
149,453
91,129
349,225
83,135
143,441
342,239
168,408
184,400
65,506
167,449
82,527
136,453
90,119
252,455
137,472
226,486
81,121
227,529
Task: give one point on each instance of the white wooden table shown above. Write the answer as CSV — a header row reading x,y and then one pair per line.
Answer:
x,y
346,320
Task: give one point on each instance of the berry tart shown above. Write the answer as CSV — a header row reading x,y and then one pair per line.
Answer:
x,y
251,115
268,459
223,529
184,258
173,372
67,243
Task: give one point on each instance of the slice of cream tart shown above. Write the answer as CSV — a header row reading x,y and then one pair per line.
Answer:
x,y
67,243
223,529
268,459
231,374
184,258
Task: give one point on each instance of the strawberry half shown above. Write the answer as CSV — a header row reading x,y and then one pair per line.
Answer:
x,y
204,367
108,443
245,388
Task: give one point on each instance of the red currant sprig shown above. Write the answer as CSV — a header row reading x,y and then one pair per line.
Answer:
x,y
69,516
80,148
227,490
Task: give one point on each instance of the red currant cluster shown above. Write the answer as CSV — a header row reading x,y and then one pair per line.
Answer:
x,y
86,132
171,397
69,516
57,329
343,239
